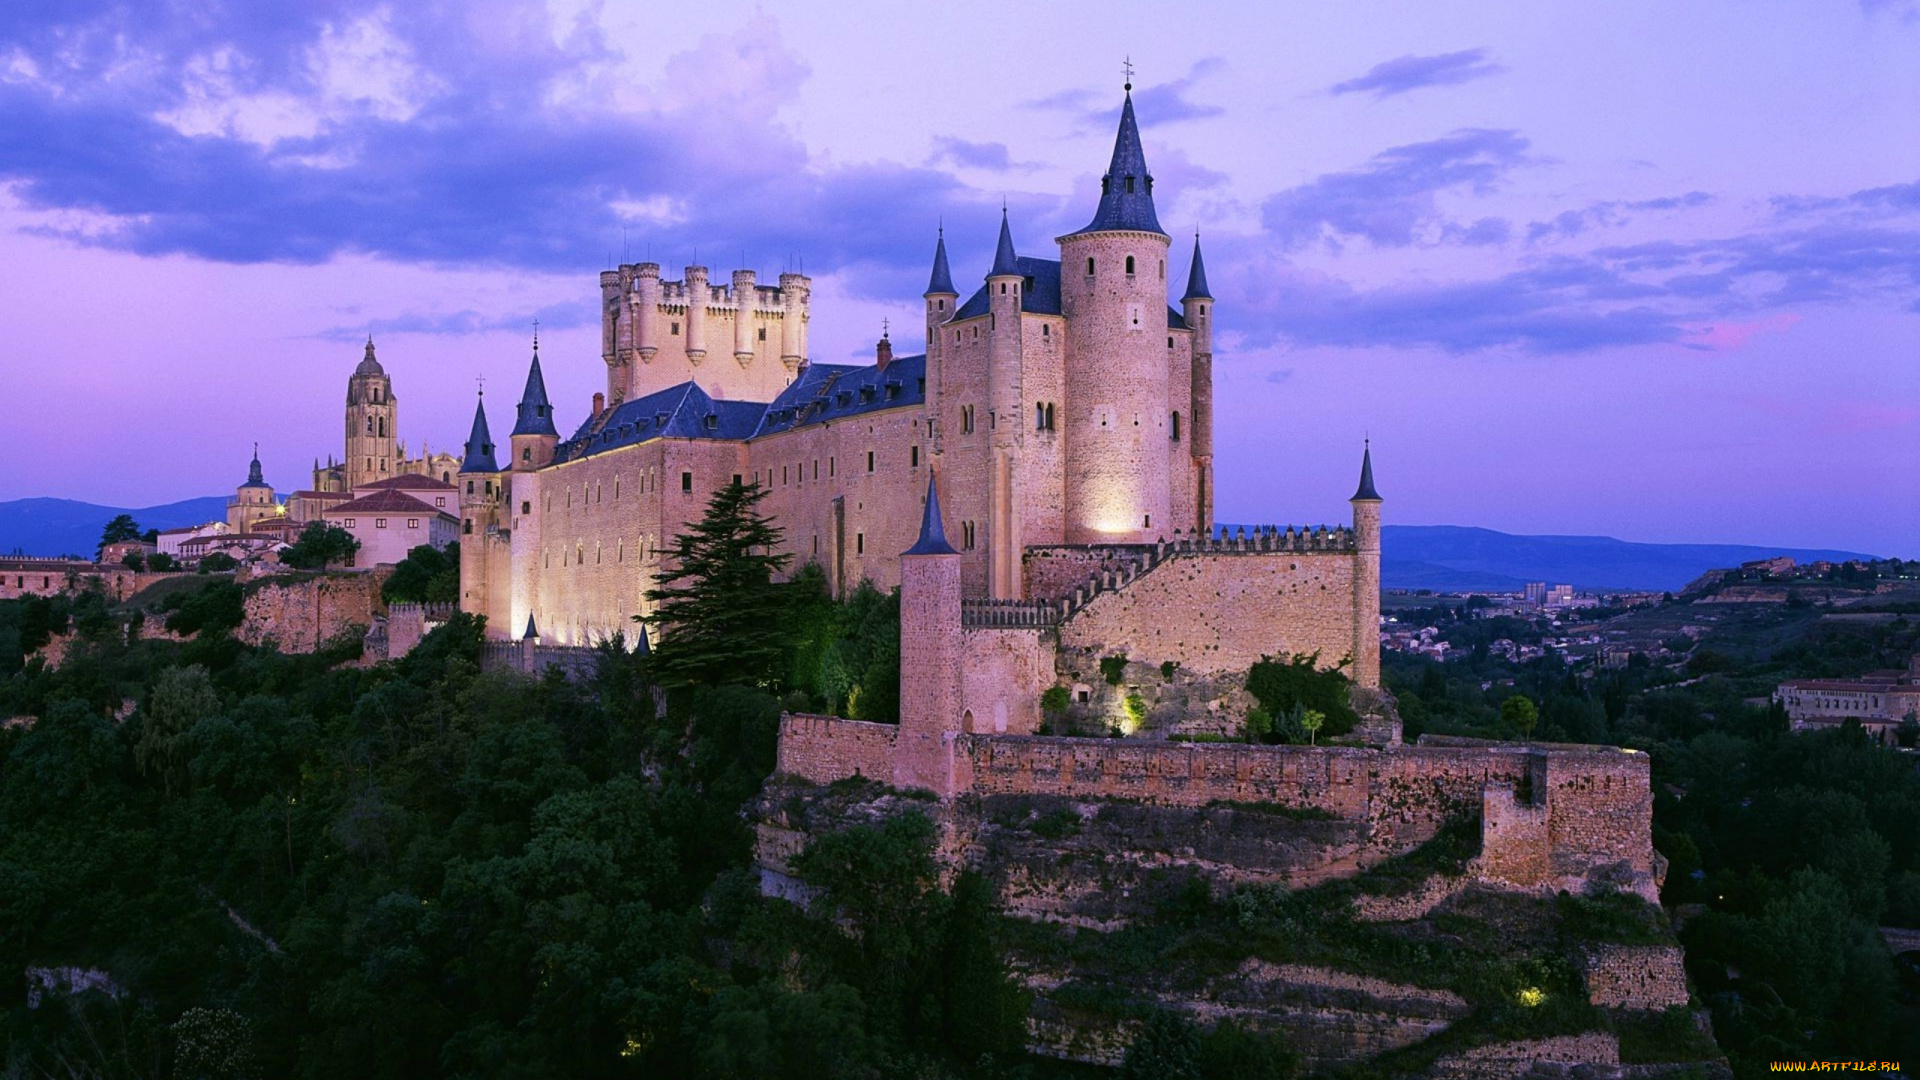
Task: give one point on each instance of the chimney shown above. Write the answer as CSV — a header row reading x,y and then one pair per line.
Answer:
x,y
883,353
599,402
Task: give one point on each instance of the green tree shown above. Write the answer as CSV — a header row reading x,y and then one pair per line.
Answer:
x,y
319,545
1281,685
1519,713
121,529
1167,1047
428,575
181,698
1054,701
719,609
1313,720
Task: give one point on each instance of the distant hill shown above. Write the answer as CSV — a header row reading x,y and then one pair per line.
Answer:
x,y
1456,557
70,527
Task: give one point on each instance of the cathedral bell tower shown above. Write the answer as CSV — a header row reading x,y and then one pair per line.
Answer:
x,y
372,420
1113,292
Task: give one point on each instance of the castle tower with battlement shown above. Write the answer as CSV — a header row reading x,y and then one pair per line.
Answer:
x,y
656,334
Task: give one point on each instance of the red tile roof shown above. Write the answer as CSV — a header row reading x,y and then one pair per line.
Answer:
x,y
407,482
384,502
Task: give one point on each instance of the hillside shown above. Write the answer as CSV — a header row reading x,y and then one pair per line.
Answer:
x,y
71,527
1461,557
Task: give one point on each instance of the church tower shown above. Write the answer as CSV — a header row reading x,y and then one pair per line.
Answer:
x,y
1113,292
534,435
372,422
253,501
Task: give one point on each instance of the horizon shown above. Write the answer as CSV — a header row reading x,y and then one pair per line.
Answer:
x,y
1561,267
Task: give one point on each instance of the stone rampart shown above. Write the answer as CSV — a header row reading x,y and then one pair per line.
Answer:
x,y
407,624
1639,977
299,615
823,749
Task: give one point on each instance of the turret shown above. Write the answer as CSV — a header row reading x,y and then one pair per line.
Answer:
x,y
480,495
615,344
1196,308
942,301
643,302
931,653
1118,404
795,292
1366,575
698,296
744,301
372,422
1005,399
534,435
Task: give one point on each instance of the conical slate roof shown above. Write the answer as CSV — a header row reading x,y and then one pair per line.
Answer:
x,y
1126,192
535,415
1004,260
933,535
479,443
942,280
1197,276
532,630
1366,492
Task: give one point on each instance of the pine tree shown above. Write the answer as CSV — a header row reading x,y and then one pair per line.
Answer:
x,y
721,614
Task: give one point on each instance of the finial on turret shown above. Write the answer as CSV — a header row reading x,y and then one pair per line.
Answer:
x,y
1126,66
1366,492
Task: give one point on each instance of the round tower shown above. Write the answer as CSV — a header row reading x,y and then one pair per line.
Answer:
x,y
1004,412
698,296
1366,575
932,652
942,301
1113,293
1196,310
480,494
372,423
796,291
745,300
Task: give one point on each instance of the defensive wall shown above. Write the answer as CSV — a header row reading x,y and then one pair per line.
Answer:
x,y
1552,816
52,577
299,615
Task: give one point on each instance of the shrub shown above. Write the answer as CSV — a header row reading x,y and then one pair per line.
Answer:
x,y
1136,711
1114,668
1257,726
218,563
1055,699
1298,682
320,544
1167,668
428,575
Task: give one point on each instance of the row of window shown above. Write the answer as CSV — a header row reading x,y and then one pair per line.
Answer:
x,y
1163,262
412,523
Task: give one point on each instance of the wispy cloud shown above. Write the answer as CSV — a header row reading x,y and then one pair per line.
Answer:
x,y
1407,73
1159,103
1609,214
1391,200
992,156
466,322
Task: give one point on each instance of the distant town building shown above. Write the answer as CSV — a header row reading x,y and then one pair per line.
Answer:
x,y
1535,593
1880,700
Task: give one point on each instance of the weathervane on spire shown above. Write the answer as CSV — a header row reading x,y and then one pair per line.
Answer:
x,y
481,382
1126,66
536,333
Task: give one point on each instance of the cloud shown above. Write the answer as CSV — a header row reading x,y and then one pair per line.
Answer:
x,y
417,134
1391,201
1407,73
563,316
1160,103
1612,214
991,156
1279,375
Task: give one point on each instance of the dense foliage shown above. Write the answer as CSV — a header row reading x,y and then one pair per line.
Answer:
x,y
428,575
719,608
1290,690
319,546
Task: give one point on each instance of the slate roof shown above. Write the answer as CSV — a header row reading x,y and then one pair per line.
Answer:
x,y
535,413
1365,491
683,411
479,456
1004,260
933,534
1197,276
827,392
942,279
368,365
1126,191
1041,296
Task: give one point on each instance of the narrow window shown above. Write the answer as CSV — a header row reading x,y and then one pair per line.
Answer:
x,y
736,478
469,487
1089,266
869,461
859,543
1039,417
816,468
686,481
829,466
783,475
1176,425
1129,191
674,329
1129,258
469,526
763,333
526,506
1049,416
913,457
526,453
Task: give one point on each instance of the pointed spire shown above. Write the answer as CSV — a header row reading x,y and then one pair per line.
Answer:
x,y
640,647
1126,191
942,280
535,415
933,535
480,443
1197,276
533,632
1366,493
1004,260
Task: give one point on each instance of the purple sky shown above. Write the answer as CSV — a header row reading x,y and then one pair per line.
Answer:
x,y
1643,269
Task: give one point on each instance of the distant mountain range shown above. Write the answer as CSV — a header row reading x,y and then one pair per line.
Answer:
x,y
69,527
1458,558
1440,557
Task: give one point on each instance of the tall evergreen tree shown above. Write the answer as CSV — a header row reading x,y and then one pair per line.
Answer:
x,y
720,611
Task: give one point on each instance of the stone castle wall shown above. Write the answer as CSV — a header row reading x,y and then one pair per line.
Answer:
x,y
1001,682
1590,817
53,577
823,749
1639,977
1218,611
